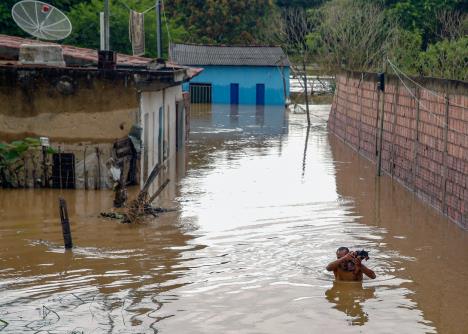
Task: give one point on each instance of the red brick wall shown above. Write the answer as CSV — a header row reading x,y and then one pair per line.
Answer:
x,y
424,145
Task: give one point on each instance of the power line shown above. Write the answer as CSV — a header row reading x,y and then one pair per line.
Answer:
x,y
420,86
414,96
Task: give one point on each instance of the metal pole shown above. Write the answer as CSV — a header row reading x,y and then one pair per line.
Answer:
x,y
102,34
158,28
106,25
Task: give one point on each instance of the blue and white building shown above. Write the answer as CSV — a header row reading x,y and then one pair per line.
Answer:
x,y
257,75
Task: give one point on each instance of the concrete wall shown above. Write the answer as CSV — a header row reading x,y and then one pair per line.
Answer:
x,y
424,145
66,105
247,77
156,149
82,111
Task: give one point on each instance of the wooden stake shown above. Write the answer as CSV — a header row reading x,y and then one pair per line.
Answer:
x,y
161,188
66,231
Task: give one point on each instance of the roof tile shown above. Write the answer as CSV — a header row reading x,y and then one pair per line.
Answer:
x,y
192,54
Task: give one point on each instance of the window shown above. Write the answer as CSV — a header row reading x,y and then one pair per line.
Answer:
x,y
200,93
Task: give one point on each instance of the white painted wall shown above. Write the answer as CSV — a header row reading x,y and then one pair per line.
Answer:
x,y
150,104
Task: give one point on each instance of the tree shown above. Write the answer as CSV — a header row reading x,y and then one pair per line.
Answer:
x,y
446,59
297,26
85,20
353,34
299,3
421,15
8,25
222,21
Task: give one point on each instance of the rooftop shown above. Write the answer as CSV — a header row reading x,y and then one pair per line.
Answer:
x,y
86,58
204,55
10,45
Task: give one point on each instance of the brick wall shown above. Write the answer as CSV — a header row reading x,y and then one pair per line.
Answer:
x,y
424,145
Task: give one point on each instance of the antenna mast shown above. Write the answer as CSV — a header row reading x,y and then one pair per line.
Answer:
x,y
106,25
158,28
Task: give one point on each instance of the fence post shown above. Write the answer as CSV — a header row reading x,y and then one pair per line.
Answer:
x,y
381,125
445,154
346,119
416,139
66,231
395,107
360,112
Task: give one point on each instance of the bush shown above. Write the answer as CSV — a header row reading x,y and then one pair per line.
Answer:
x,y
446,59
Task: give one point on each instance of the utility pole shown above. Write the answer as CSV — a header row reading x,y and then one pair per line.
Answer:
x,y
158,28
106,25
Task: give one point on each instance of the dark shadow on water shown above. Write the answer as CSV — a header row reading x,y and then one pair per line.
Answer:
x,y
349,297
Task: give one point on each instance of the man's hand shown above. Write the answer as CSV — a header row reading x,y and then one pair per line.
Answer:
x,y
349,257
357,265
334,265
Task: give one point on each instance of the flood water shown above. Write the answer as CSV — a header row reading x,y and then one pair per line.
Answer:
x,y
262,206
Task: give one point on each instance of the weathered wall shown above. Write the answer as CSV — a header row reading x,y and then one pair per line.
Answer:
x,y
66,105
424,145
159,139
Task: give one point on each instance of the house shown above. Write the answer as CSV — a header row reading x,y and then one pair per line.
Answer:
x,y
135,114
235,74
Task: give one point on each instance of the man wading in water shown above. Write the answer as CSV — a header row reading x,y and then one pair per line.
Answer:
x,y
348,266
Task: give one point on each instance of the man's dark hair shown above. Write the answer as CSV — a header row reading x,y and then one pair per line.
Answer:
x,y
342,249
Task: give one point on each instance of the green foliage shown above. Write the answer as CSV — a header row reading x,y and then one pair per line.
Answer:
x,y
8,25
351,34
405,50
446,59
421,15
12,160
299,3
222,21
85,20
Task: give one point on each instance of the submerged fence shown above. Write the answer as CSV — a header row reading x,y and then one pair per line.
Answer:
x,y
417,128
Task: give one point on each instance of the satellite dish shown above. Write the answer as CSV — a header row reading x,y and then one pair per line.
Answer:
x,y
41,20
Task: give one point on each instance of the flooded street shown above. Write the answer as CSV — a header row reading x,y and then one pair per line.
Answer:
x,y
262,207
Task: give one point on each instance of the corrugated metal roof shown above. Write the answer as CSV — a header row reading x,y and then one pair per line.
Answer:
x,y
192,54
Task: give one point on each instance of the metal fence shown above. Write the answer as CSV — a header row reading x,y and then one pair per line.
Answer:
x,y
200,93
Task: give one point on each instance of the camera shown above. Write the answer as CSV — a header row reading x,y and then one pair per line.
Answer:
x,y
362,254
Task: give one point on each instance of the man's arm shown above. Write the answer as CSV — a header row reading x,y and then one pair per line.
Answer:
x,y
369,273
332,266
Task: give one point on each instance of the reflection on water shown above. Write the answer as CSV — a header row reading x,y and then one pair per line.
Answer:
x,y
348,298
262,206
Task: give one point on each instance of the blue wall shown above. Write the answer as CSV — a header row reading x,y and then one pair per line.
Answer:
x,y
247,77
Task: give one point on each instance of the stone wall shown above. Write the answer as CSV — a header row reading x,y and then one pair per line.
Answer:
x,y
424,145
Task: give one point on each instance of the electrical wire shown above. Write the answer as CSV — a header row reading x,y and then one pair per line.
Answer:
x,y
420,86
414,96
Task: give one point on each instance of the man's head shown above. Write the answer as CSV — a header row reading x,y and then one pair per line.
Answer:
x,y
342,251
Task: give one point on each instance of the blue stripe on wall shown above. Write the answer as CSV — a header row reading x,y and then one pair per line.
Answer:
x,y
247,77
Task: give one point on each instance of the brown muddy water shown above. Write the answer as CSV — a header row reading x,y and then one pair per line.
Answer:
x,y
262,207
